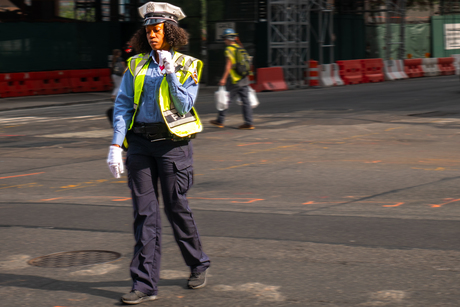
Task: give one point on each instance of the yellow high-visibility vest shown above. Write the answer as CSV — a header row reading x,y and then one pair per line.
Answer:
x,y
230,53
181,125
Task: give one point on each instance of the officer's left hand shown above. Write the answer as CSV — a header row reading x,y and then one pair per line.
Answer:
x,y
166,61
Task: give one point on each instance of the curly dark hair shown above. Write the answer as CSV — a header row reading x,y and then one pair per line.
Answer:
x,y
175,36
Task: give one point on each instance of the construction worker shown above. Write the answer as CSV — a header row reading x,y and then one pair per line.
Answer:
x,y
236,84
155,120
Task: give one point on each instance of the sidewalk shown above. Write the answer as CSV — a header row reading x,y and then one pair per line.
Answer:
x,y
28,102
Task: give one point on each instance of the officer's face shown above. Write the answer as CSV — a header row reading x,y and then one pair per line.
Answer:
x,y
156,37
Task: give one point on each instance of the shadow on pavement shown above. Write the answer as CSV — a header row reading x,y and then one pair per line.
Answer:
x,y
50,284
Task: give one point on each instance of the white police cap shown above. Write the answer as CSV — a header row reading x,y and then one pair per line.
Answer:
x,y
158,12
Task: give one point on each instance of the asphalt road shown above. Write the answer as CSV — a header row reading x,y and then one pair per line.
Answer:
x,y
344,196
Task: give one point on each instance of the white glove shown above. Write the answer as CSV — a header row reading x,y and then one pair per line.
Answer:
x,y
115,161
166,61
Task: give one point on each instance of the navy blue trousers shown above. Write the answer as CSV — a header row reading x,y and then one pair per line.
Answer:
x,y
242,92
170,163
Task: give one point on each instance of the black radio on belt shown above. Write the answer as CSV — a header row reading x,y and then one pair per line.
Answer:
x,y
157,132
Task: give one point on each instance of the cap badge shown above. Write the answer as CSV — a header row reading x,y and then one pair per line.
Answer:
x,y
150,7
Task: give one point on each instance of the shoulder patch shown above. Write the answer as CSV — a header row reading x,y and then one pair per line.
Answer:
x,y
195,77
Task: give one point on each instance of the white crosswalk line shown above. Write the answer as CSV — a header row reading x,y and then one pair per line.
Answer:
x,y
35,119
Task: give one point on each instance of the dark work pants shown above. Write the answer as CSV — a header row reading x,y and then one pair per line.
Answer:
x,y
243,93
170,163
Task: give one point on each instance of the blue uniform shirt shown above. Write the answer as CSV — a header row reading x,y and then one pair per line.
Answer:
x,y
183,96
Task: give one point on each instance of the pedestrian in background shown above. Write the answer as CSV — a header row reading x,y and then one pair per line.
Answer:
x,y
154,118
236,84
118,68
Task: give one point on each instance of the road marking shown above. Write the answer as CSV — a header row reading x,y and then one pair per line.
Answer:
x,y
113,198
311,202
81,185
451,200
25,185
257,143
37,119
389,129
22,175
277,123
248,200
430,169
395,205
311,143
103,133
275,148
7,135
234,166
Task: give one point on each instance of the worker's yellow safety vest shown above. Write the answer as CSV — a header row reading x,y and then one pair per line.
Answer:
x,y
181,125
231,54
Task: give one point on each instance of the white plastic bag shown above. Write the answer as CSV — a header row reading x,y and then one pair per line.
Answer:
x,y
221,96
253,101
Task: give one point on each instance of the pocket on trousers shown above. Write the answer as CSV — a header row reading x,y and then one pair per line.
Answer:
x,y
184,176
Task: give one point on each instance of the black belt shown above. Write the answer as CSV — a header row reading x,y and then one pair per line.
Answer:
x,y
157,132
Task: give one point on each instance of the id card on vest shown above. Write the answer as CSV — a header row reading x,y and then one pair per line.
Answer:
x,y
174,119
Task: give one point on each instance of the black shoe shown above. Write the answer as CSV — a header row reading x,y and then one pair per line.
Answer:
x,y
216,123
197,280
246,127
137,297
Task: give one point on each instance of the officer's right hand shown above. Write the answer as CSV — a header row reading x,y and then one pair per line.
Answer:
x,y
115,161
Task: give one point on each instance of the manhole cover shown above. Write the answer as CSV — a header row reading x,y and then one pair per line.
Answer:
x,y
74,258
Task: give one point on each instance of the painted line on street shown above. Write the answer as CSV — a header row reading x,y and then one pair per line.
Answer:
x,y
248,200
21,175
112,198
6,135
448,201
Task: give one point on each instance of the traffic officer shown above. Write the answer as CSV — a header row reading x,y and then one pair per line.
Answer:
x,y
236,85
154,119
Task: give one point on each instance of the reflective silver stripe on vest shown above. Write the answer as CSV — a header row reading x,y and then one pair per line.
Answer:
x,y
140,65
178,63
135,69
189,62
180,59
174,119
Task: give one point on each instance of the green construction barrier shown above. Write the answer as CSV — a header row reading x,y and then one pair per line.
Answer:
x,y
446,35
417,40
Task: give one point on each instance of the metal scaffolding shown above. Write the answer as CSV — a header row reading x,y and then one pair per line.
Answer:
x,y
325,31
448,7
289,34
395,14
288,38
85,10
102,10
